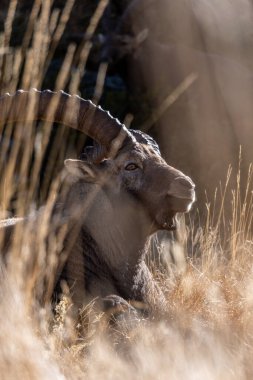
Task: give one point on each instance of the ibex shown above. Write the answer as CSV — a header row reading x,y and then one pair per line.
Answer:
x,y
134,194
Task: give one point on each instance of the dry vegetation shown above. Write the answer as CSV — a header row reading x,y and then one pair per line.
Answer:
x,y
206,331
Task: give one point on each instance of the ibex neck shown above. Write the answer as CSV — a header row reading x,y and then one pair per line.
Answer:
x,y
124,262
123,245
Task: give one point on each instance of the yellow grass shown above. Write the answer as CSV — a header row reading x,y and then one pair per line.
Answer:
x,y
206,331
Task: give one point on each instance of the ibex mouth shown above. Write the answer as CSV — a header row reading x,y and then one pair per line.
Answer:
x,y
168,222
170,225
181,205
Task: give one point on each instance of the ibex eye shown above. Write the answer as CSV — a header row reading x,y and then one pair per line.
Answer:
x,y
131,166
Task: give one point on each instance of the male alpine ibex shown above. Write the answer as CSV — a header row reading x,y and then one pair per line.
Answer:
x,y
134,194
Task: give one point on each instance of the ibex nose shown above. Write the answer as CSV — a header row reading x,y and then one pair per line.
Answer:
x,y
186,182
182,187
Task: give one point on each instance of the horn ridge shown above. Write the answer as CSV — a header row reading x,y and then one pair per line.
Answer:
x,y
63,108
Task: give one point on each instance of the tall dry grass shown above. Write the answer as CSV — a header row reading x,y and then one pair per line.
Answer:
x,y
206,331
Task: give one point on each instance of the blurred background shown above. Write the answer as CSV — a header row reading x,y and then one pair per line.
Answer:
x,y
179,69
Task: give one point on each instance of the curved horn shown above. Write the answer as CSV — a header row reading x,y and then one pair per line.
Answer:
x,y
70,110
143,138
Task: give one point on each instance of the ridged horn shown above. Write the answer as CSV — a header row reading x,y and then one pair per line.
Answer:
x,y
70,110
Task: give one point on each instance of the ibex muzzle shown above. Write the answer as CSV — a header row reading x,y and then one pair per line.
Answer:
x,y
183,188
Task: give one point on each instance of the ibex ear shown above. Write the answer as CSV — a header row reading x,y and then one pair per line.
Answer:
x,y
81,170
